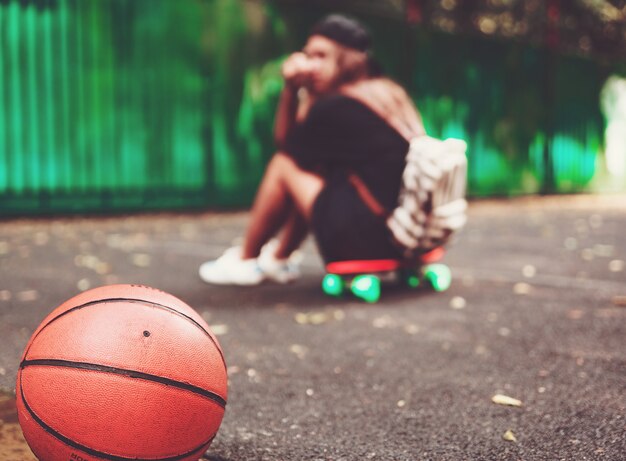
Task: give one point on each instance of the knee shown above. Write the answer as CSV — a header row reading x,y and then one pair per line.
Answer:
x,y
281,163
282,158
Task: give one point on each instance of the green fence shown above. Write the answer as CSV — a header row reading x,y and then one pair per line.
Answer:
x,y
146,104
532,119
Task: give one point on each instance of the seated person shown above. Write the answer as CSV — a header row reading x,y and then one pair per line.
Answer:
x,y
337,117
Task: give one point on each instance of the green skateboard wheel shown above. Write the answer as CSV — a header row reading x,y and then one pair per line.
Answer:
x,y
409,278
333,285
366,287
438,275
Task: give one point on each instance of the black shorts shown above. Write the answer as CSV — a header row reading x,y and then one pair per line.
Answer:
x,y
345,229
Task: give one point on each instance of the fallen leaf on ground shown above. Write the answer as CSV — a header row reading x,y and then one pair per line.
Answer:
x,y
299,350
458,302
575,314
103,268
41,238
521,288
570,243
604,251
595,221
83,284
504,331
529,271
383,322
28,295
509,436
219,329
619,301
501,399
319,317
587,254
141,260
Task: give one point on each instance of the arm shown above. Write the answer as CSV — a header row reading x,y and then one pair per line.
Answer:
x,y
285,115
294,102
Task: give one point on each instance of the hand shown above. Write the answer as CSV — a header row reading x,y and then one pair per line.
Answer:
x,y
296,70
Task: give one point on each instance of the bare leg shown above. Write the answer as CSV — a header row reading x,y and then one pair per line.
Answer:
x,y
286,189
293,234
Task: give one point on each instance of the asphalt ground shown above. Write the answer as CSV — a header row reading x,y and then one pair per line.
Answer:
x,y
536,312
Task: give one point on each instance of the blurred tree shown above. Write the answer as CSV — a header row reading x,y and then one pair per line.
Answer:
x,y
595,28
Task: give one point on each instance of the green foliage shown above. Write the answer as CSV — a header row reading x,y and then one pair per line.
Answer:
x,y
159,103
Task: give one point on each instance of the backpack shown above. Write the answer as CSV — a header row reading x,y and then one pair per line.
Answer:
x,y
431,205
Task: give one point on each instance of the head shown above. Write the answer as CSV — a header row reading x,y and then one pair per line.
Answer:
x,y
338,51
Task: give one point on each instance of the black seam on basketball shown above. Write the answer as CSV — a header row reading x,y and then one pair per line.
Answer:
x,y
135,300
128,373
97,453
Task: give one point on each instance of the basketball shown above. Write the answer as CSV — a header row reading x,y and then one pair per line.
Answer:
x,y
121,372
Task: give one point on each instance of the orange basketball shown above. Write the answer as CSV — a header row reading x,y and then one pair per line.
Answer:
x,y
121,372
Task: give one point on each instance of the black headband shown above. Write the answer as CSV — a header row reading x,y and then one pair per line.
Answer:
x,y
345,31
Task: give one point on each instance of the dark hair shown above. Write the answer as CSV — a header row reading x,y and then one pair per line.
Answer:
x,y
344,30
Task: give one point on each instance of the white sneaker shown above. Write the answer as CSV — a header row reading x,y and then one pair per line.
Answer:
x,y
230,269
279,270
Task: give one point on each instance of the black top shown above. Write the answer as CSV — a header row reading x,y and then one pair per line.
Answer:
x,y
342,135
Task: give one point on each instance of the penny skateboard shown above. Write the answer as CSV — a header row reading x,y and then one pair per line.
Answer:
x,y
363,278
